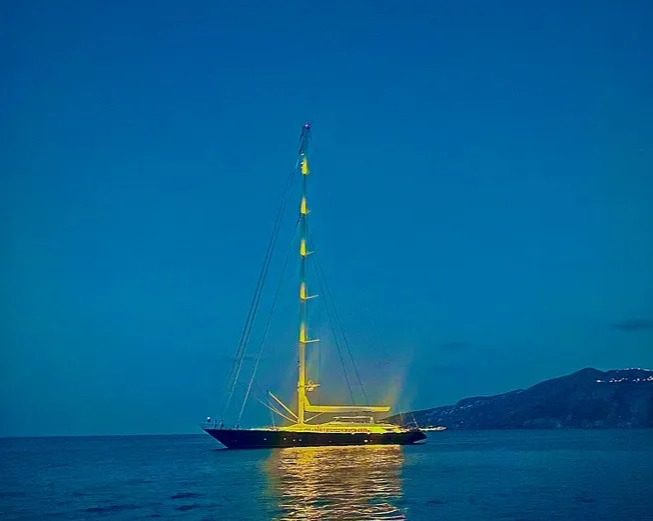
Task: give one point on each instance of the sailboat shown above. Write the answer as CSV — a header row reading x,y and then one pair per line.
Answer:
x,y
349,424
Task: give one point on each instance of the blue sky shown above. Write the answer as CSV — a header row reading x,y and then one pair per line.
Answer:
x,y
482,198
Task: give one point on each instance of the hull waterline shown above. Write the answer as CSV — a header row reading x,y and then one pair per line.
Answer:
x,y
267,439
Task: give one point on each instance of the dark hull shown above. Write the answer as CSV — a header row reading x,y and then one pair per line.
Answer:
x,y
266,439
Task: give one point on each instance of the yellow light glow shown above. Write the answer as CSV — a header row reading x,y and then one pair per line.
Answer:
x,y
313,483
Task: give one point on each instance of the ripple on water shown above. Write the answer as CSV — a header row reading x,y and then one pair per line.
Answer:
x,y
533,476
110,508
186,495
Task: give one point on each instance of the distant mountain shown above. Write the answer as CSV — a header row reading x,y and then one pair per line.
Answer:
x,y
588,398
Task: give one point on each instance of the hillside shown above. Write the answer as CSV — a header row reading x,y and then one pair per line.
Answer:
x,y
588,398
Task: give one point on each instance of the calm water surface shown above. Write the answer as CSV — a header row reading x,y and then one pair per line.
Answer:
x,y
502,475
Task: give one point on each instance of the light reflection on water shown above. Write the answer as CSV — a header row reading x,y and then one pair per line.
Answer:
x,y
339,483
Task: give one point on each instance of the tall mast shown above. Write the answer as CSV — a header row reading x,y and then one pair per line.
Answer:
x,y
302,385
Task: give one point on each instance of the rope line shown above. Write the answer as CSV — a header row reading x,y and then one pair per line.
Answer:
x,y
269,322
321,274
332,322
253,309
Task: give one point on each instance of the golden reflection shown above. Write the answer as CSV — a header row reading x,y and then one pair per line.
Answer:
x,y
337,483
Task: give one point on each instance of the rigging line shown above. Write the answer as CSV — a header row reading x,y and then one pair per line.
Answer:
x,y
242,348
251,315
342,331
318,394
335,335
269,321
256,388
274,409
283,405
256,393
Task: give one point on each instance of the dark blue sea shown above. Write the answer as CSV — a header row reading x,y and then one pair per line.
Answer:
x,y
498,475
